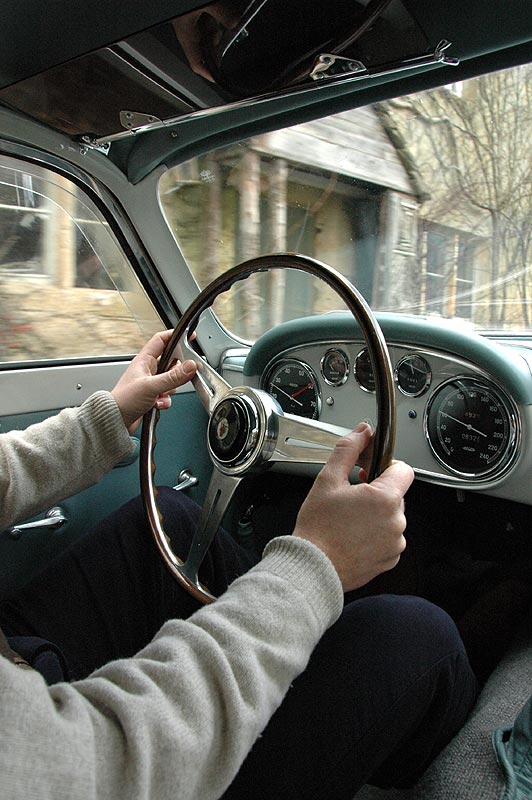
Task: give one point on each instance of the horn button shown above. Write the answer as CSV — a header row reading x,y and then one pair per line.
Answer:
x,y
233,430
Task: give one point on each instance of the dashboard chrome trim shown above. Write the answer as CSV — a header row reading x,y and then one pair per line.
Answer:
x,y
455,367
346,362
428,375
355,362
514,439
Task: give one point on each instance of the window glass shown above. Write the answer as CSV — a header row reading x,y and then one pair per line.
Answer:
x,y
424,202
66,288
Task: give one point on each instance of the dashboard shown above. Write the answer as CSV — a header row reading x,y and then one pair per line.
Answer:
x,y
463,401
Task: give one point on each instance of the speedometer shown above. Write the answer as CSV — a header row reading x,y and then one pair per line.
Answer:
x,y
471,427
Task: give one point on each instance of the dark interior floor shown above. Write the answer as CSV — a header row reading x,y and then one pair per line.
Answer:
x,y
468,553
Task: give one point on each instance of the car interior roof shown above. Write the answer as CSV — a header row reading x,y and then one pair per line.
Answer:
x,y
475,28
483,37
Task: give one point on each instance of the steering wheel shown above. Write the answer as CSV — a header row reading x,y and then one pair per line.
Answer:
x,y
247,429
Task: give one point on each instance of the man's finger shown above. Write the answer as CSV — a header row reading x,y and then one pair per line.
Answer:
x,y
398,475
177,376
155,346
348,450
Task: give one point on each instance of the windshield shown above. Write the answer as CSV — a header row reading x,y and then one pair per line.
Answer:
x,y
424,202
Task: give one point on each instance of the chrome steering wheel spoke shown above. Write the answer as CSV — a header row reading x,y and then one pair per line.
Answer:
x,y
219,494
209,385
305,441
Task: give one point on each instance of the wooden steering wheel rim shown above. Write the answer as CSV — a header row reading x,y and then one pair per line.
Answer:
x,y
384,435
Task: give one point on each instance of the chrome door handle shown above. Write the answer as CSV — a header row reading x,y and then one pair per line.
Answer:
x,y
185,480
53,519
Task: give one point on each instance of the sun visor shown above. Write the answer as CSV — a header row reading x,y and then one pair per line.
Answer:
x,y
95,95
272,48
215,55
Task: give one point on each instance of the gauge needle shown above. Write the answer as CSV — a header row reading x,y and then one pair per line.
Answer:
x,y
465,424
290,397
300,391
416,369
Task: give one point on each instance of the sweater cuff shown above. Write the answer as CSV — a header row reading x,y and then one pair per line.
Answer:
x,y
310,571
101,419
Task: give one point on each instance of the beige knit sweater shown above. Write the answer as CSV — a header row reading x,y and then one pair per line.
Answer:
x,y
177,720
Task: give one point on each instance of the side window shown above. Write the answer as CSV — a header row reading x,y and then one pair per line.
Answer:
x,y
66,288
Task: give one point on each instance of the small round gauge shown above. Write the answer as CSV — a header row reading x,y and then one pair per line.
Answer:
x,y
293,384
471,427
413,375
364,371
335,367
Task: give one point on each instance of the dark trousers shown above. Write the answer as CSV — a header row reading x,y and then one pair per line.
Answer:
x,y
386,687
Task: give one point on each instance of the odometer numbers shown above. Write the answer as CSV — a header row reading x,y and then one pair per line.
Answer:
x,y
470,427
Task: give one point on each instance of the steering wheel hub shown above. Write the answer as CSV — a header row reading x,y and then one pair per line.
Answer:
x,y
233,431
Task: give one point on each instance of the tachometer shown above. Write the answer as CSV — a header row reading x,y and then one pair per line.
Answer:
x,y
471,427
293,384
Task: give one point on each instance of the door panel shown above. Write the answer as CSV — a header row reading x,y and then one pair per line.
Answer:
x,y
181,437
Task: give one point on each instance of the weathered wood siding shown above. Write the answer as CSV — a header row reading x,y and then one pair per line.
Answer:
x,y
354,144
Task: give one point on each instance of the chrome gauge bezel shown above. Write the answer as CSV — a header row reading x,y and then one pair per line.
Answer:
x,y
427,374
508,457
282,363
362,352
343,355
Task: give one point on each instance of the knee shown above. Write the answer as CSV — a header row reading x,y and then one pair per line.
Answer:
x,y
178,504
406,624
179,515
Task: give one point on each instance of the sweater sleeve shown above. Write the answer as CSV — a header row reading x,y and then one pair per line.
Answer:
x,y
179,718
56,458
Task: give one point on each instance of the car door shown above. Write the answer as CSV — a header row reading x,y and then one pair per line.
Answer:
x,y
75,305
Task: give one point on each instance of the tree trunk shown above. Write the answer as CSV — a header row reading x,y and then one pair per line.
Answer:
x,y
495,267
277,218
213,221
249,296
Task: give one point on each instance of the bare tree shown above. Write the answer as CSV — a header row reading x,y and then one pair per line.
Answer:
x,y
474,150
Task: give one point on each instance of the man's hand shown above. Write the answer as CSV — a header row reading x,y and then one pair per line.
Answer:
x,y
140,388
359,527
